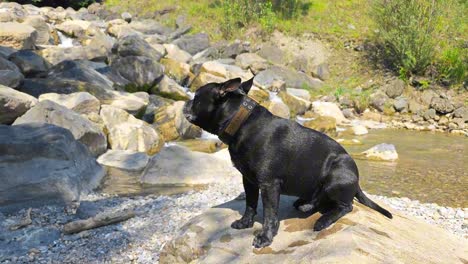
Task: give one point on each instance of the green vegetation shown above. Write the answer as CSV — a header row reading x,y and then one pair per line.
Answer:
x,y
63,3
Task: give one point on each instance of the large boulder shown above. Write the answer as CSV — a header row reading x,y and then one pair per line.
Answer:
x,y
251,61
13,104
82,129
80,71
324,124
394,88
82,102
42,28
140,71
442,105
175,165
171,89
329,109
30,63
55,54
362,236
134,45
42,164
149,27
74,28
193,43
124,161
125,132
17,36
10,74
293,79
378,100
178,71
171,122
297,105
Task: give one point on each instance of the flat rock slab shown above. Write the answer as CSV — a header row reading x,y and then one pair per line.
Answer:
x,y
362,236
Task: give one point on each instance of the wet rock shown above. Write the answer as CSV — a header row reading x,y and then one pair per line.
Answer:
x,y
13,104
128,133
134,45
17,36
442,105
67,168
82,129
193,43
10,74
209,238
141,71
386,152
394,88
82,102
324,124
176,164
30,63
328,109
293,79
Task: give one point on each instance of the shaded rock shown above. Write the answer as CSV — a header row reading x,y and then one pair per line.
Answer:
x,y
378,101
296,105
82,129
394,88
134,45
43,164
10,74
177,54
125,160
429,114
20,242
150,26
382,151
208,238
42,28
13,104
329,109
442,105
171,89
5,52
140,71
461,112
176,164
193,43
293,79
80,71
125,132
17,36
82,102
324,124
401,104
30,63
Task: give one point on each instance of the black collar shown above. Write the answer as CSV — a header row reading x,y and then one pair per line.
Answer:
x,y
229,130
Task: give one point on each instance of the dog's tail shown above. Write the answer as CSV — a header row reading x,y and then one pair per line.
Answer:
x,y
362,198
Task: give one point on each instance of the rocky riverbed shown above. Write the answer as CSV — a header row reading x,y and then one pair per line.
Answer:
x,y
158,220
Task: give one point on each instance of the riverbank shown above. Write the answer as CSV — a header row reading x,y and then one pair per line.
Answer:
x,y
158,220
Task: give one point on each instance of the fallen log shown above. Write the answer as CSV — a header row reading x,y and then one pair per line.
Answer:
x,y
99,220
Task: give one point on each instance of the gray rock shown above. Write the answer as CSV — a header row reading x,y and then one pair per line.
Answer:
x,y
88,209
134,45
193,43
415,107
461,112
55,55
233,49
322,72
378,100
394,88
124,160
384,152
13,104
426,97
442,105
5,52
250,60
82,129
401,104
42,28
10,74
80,71
82,102
141,71
30,64
171,89
272,54
429,114
176,164
149,27
127,16
293,79
42,164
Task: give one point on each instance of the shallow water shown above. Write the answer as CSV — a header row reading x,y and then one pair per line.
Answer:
x,y
432,167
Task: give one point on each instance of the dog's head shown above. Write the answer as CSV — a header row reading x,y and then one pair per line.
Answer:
x,y
215,102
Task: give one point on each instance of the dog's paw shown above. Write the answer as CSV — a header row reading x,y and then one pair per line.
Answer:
x,y
242,224
321,224
261,240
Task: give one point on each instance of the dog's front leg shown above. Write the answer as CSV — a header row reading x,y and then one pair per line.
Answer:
x,y
270,200
251,202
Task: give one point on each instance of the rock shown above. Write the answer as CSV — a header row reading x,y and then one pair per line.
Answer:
x,y
74,28
273,54
201,145
442,105
429,114
259,95
17,36
401,104
125,160
443,121
128,133
359,130
175,53
10,74
324,124
226,71
42,28
134,45
386,152
301,93
127,17
293,79
208,238
348,142
204,78
55,55
140,71
329,109
30,63
348,113
13,104
461,112
277,86
234,49
193,43
170,120
279,108
171,89
426,97
394,88
175,166
82,129
26,241
415,107
67,168
178,71
322,72
80,71
5,52
378,101
296,105
149,27
82,102
251,61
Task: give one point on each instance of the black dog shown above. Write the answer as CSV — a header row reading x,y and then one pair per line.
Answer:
x,y
277,156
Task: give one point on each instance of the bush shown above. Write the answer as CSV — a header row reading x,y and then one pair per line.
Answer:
x,y
453,65
407,30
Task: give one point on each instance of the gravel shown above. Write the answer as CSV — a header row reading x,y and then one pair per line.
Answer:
x,y
158,219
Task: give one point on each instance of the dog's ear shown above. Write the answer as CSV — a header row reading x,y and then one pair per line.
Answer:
x,y
230,86
245,86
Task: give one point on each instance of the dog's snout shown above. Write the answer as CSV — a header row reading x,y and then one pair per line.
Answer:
x,y
187,110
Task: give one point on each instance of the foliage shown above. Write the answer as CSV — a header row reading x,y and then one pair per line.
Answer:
x,y
63,3
453,65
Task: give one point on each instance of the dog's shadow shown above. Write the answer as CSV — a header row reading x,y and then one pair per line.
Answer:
x,y
286,208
